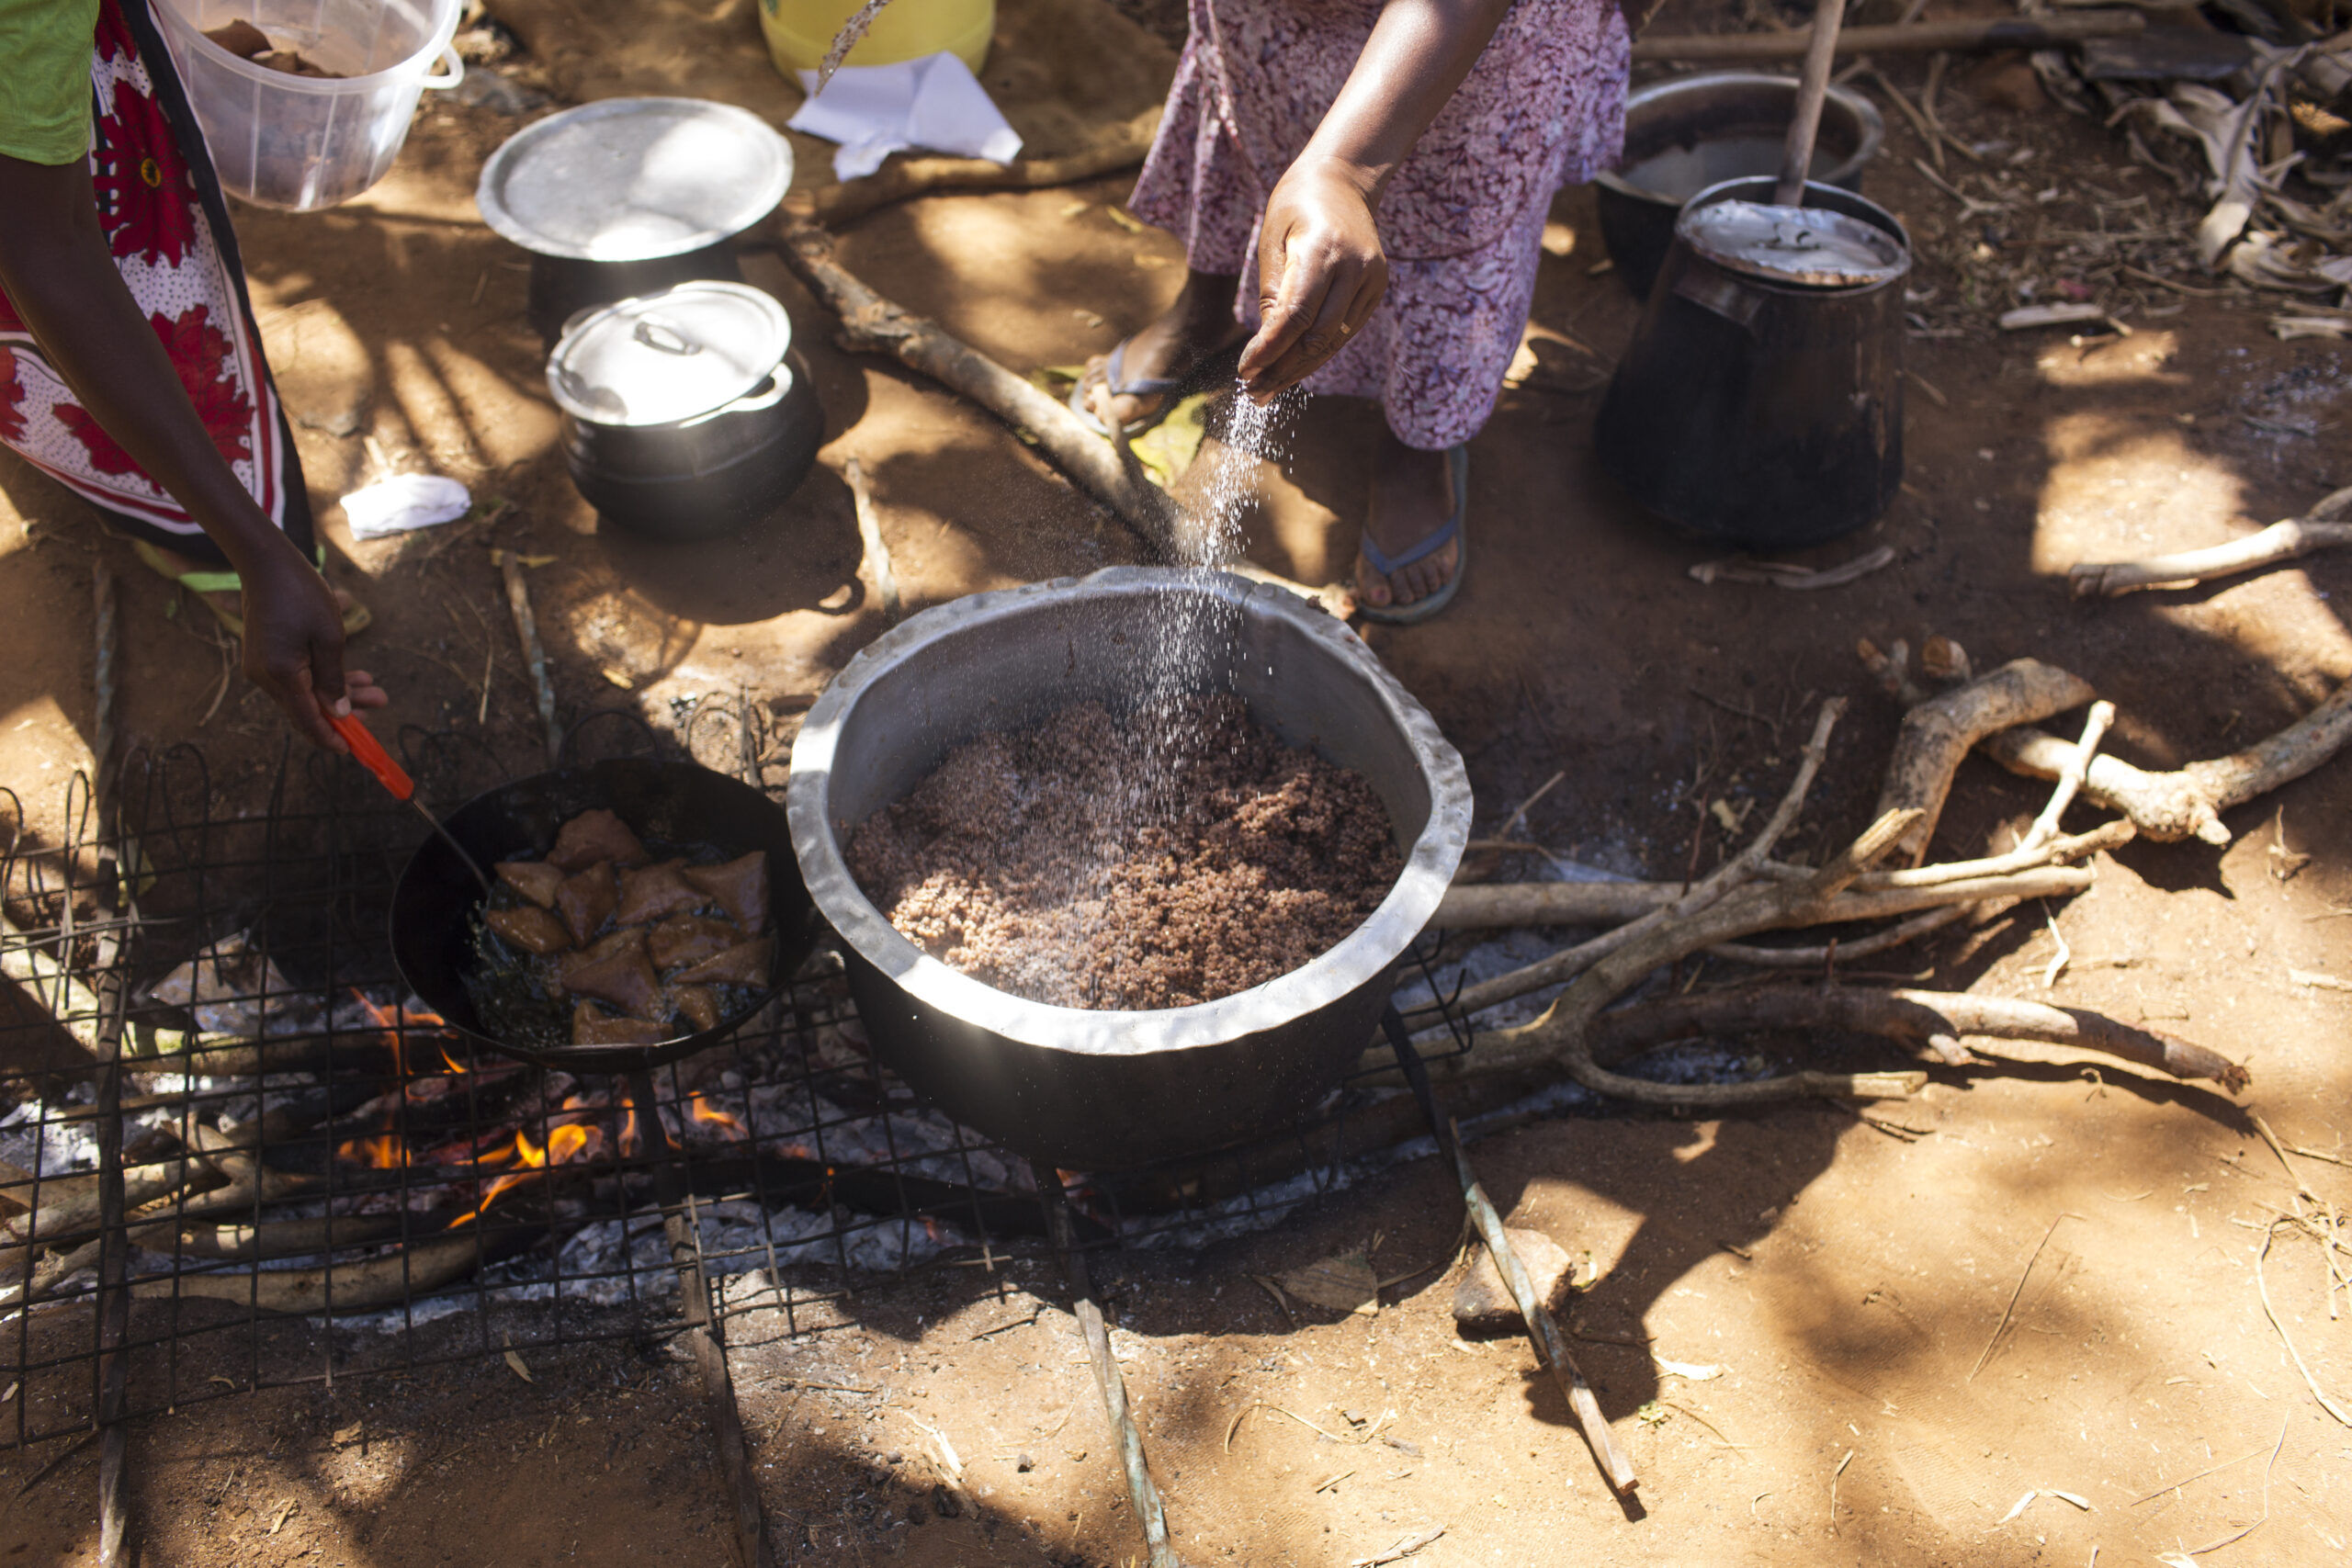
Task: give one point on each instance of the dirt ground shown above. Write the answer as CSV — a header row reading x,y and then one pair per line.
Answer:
x,y
2038,1281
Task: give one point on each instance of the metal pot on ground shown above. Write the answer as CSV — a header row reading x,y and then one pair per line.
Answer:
x,y
1756,410
1687,133
1103,1089
686,414
627,197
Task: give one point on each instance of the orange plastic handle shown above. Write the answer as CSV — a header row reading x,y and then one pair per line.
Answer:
x,y
372,756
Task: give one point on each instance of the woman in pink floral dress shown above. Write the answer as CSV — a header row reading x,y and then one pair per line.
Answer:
x,y
130,368
1383,168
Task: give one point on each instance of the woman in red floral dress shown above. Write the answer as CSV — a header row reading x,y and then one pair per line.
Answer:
x,y
130,370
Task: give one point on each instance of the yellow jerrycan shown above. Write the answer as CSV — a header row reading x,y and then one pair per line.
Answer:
x,y
800,31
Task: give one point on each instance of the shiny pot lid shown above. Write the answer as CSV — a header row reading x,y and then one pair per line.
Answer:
x,y
663,358
631,179
1809,247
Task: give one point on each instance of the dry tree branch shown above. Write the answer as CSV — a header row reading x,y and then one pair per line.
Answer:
x,y
903,179
2279,542
1929,1020
2190,802
1938,733
872,325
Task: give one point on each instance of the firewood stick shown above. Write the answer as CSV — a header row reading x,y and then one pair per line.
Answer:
x,y
1488,906
2005,32
365,1286
2041,882
2281,541
872,325
1575,960
869,531
2070,776
1912,1018
1937,735
1549,1342
2190,801
1869,946
903,179
534,653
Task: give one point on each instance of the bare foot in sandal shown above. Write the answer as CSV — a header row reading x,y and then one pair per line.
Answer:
x,y
1154,365
1412,498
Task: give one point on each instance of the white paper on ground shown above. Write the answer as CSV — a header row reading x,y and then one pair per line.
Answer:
x,y
876,110
404,501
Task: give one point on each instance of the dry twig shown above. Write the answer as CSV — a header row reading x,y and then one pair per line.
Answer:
x,y
2281,541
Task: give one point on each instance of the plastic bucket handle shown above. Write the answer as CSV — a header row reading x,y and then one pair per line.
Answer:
x,y
456,70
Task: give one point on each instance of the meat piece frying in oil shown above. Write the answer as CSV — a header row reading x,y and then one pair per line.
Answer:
x,y
622,977
586,899
592,836
740,886
654,892
689,939
534,879
743,964
528,926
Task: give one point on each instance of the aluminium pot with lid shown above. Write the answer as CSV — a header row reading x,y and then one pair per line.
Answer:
x,y
627,195
686,412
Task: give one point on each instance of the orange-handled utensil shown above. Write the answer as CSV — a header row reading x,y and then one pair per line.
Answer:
x,y
370,754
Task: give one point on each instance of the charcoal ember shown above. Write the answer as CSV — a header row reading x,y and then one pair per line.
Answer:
x,y
534,879
689,939
595,836
591,1025
746,963
585,901
698,1005
621,976
654,892
529,928
740,886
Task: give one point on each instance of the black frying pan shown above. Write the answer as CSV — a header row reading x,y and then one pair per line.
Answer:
x,y
433,903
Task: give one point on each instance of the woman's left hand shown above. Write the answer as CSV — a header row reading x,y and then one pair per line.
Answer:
x,y
1320,274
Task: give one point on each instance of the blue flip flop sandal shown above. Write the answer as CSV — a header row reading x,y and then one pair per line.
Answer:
x,y
1170,389
1457,463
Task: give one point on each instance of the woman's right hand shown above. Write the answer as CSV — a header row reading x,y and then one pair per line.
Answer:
x,y
294,646
1320,273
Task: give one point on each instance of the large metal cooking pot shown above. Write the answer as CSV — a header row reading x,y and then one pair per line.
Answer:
x,y
686,414
1687,133
434,900
1765,415
624,196
1107,1091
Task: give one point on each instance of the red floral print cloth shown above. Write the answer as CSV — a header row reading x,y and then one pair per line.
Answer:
x,y
164,221
1463,221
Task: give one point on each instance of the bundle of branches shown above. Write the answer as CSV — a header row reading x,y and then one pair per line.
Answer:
x,y
1950,713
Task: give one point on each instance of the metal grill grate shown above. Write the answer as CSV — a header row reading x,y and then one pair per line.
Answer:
x,y
341,1156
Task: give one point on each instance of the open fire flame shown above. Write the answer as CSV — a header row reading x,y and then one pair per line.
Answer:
x,y
516,1157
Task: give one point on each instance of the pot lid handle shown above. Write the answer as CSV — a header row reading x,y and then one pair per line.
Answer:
x,y
657,336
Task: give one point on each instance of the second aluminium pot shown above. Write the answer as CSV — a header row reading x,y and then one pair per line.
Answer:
x,y
1103,1089
686,415
1759,412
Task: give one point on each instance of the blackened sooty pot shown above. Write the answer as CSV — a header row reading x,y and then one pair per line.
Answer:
x,y
1686,133
1101,1090
686,414
1761,414
434,900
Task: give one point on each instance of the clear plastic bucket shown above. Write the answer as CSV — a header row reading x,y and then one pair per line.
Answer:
x,y
299,142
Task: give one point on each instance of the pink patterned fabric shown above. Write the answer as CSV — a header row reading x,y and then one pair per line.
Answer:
x,y
1462,221
160,208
